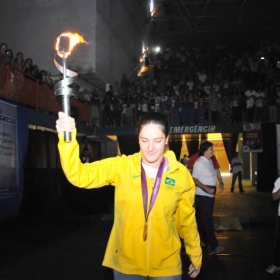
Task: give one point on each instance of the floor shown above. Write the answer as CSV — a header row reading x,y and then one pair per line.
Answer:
x,y
72,247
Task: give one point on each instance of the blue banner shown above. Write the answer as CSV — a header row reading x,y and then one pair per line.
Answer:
x,y
8,162
13,145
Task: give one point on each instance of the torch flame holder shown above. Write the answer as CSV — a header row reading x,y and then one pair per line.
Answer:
x,y
62,89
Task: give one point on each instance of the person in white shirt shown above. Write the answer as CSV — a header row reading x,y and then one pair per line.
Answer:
x,y
205,176
190,85
236,165
202,77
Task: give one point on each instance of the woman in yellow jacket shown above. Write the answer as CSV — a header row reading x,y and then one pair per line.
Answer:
x,y
154,202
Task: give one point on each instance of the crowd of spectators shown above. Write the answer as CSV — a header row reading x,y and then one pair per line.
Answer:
x,y
23,67
221,83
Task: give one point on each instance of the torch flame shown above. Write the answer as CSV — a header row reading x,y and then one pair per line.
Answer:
x,y
74,39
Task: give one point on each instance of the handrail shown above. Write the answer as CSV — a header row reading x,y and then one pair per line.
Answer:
x,y
26,90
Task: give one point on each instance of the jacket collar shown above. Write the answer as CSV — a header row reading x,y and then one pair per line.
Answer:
x,y
172,166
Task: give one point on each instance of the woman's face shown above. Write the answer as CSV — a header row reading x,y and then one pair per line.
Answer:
x,y
209,152
152,143
19,56
3,48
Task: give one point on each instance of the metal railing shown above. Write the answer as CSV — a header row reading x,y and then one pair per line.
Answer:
x,y
28,91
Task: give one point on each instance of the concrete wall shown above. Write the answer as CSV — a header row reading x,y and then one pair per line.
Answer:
x,y
120,34
32,27
114,29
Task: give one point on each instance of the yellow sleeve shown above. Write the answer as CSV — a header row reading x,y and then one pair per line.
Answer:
x,y
186,224
87,175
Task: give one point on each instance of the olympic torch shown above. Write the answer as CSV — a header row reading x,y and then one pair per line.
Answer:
x,y
64,46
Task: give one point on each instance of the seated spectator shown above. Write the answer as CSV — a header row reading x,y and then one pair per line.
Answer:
x,y
35,72
18,62
4,57
10,56
27,68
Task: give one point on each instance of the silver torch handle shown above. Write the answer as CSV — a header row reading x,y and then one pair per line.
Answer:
x,y
65,102
62,89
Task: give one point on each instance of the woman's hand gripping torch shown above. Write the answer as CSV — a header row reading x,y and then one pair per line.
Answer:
x,y
64,45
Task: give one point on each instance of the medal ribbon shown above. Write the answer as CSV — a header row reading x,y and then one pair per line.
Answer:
x,y
153,194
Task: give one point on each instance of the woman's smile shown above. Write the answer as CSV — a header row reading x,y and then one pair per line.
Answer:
x,y
152,143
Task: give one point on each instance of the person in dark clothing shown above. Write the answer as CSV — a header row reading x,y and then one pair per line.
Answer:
x,y
236,170
275,267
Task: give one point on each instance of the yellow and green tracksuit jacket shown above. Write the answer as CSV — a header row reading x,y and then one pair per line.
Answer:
x,y
172,216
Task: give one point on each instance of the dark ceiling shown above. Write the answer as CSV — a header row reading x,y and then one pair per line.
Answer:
x,y
195,22
181,21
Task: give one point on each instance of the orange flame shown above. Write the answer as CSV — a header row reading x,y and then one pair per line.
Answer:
x,y
74,39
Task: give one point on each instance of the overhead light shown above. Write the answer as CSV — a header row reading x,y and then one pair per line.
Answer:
x,y
151,6
157,49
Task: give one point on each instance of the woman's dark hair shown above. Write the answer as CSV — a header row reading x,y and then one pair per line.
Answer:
x,y
3,44
19,53
204,146
154,118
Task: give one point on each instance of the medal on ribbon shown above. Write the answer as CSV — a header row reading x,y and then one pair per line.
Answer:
x,y
153,195
145,231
